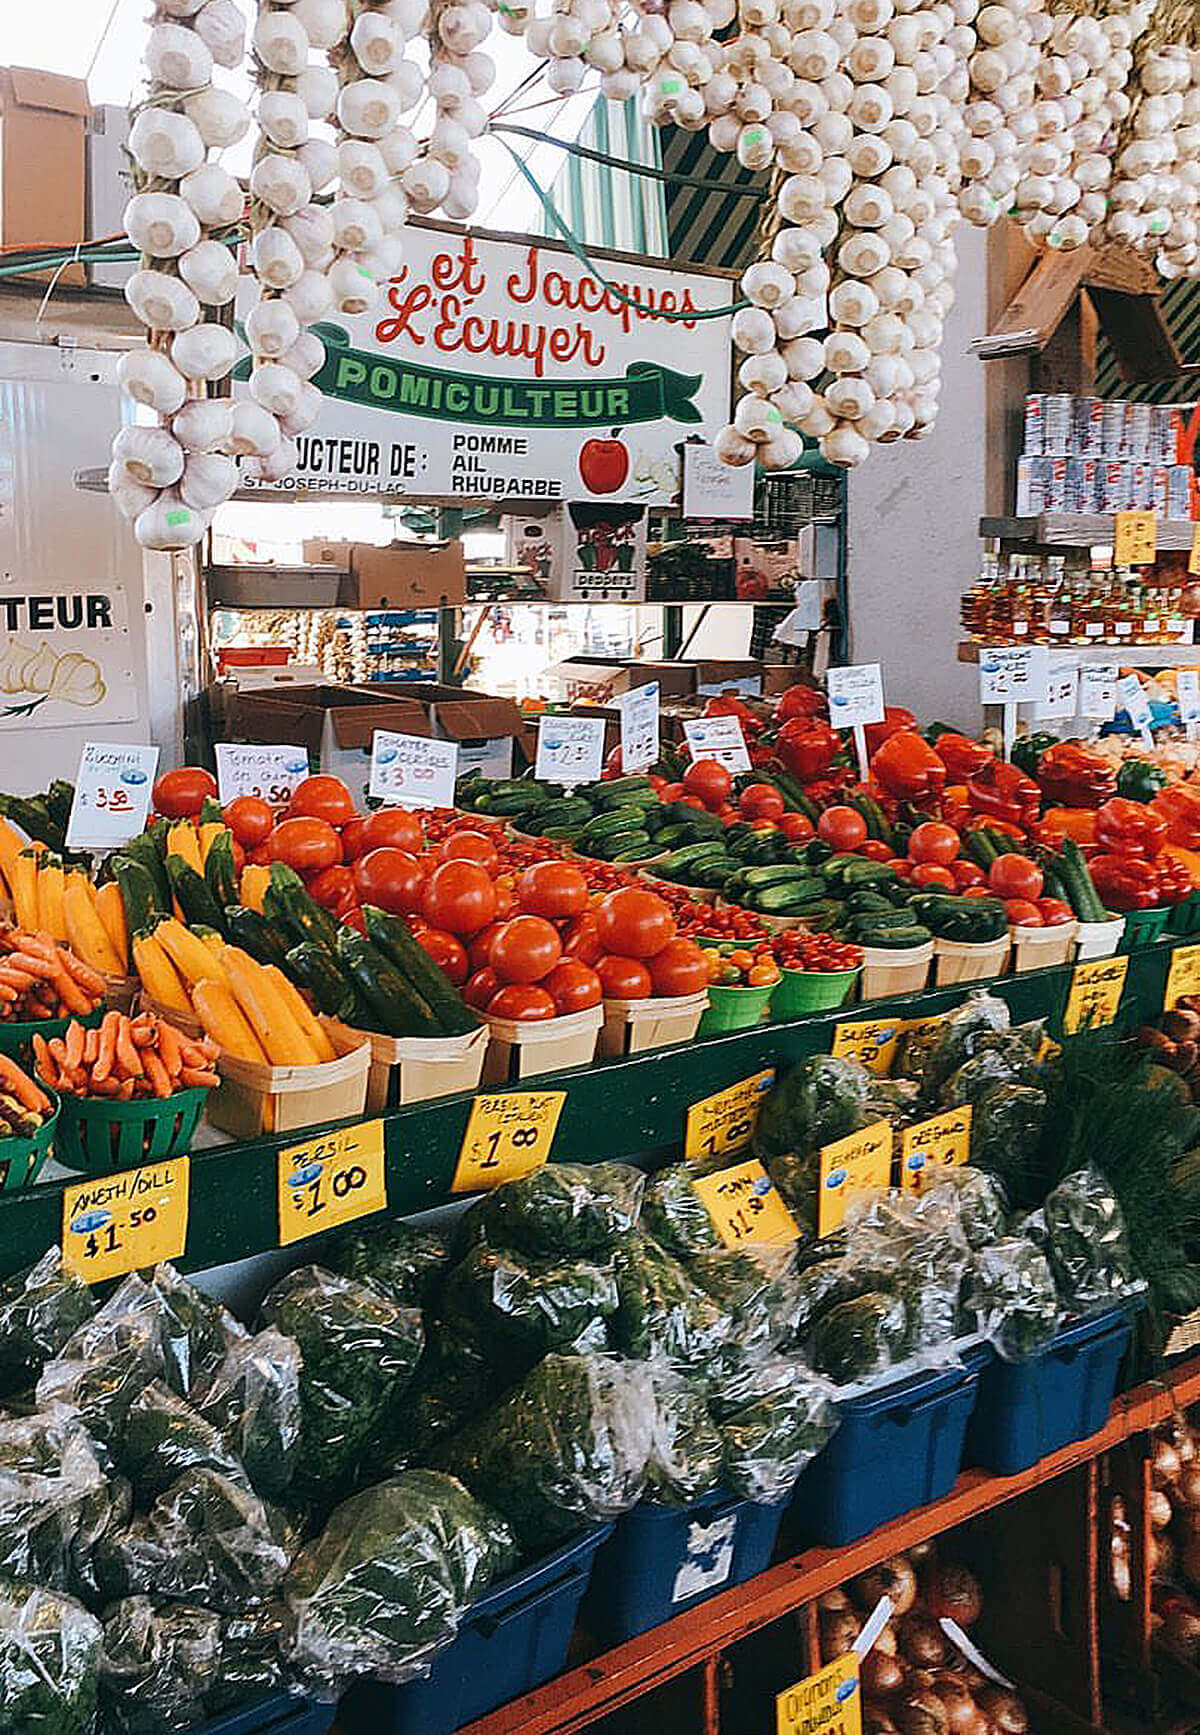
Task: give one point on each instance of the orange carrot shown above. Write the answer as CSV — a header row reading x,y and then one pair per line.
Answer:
x,y
74,1044
91,1046
194,1075
72,996
16,978
43,1057
156,1073
91,981
125,1090
107,1049
128,1058
106,1087
141,1037
170,1048
34,966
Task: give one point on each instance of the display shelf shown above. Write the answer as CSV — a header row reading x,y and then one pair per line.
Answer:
x,y
631,1108
1081,530
1128,656
290,587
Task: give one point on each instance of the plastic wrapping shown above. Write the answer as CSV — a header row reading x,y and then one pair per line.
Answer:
x,y
1012,1295
454,1380
818,1101
406,1263
49,1662
358,1350
164,1437
857,1339
977,1197
896,1100
197,1332
924,1236
797,1178
40,1310
958,1035
104,1516
252,1662
757,1290
567,1447
109,1360
1006,1128
687,1451
1006,1062
560,1211
523,1308
380,1590
254,1402
675,1214
155,1667
49,1476
774,1418
663,1315
1086,1242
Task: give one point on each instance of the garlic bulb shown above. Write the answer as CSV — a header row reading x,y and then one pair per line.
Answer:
x,y
169,522
147,376
161,225
324,21
310,297
277,260
283,118
369,108
222,28
734,448
161,302
218,116
308,408
276,388
271,328
362,169
280,463
208,481
354,290
319,158
128,497
312,231
150,456
210,270
203,424
281,184
205,352
165,145
317,88
281,43
178,58
306,356
213,195
255,432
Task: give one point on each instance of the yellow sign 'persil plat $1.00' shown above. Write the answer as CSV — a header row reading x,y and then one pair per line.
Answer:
x,y
746,1208
119,1223
330,1180
858,1163
723,1124
827,1703
508,1135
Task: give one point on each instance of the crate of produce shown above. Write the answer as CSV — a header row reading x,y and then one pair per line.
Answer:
x,y
278,1714
1098,939
521,1049
1144,928
512,1640
28,1120
889,970
414,1068
1027,1409
253,1099
969,960
662,1560
1185,917
633,1026
16,1039
1040,948
96,1135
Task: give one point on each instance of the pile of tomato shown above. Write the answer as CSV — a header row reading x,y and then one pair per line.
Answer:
x,y
820,953
743,967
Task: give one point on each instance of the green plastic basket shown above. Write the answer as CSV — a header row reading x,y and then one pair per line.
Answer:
x,y
16,1040
21,1159
97,1135
1185,917
800,992
734,1008
1143,928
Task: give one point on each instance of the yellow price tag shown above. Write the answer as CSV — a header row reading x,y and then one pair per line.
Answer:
x,y
1183,977
1135,538
127,1221
507,1136
943,1140
855,1164
722,1125
828,1702
1096,989
330,1180
746,1208
1194,556
871,1041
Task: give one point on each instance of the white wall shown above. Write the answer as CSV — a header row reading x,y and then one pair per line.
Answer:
x,y
914,510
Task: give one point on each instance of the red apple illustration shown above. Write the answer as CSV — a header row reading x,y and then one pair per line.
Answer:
x,y
604,465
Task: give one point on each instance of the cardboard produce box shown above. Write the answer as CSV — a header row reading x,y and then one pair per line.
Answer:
x,y
720,675
598,679
484,727
43,156
334,723
409,575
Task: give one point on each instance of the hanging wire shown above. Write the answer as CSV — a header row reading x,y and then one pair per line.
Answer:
x,y
729,188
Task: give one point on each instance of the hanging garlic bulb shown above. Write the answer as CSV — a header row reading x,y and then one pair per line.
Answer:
x,y
147,376
205,352
169,523
210,271
203,424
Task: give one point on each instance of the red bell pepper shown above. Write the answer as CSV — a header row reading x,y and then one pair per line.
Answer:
x,y
895,719
1179,806
1126,882
807,746
1071,776
961,756
1000,791
1128,828
1175,883
906,767
801,701
729,705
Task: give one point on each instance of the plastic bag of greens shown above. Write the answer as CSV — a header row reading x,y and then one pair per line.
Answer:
x,y
818,1101
663,1315
49,1662
895,1100
197,1331
687,1452
567,1447
252,1664
109,1360
985,1072
773,1418
164,1437
757,1290
523,1308
675,1214
1086,1242
156,1666
797,1177
48,1476
40,1309
957,1036
105,1515
406,1263
561,1211
860,1338
358,1350
924,1237
254,1402
1011,1294
380,1590
978,1198
1006,1128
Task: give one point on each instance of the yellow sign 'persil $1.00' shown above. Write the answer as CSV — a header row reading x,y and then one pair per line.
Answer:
x,y
1183,978
746,1208
1095,996
508,1135
127,1221
330,1180
723,1124
943,1141
827,1703
855,1164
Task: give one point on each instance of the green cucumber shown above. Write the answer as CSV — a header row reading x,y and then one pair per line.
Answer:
x,y
393,938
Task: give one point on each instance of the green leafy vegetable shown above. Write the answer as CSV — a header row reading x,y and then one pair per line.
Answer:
x,y
561,1211
49,1662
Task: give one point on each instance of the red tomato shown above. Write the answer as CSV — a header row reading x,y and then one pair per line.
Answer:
x,y
761,801
1054,912
394,828
634,923
967,874
391,879
875,850
470,846
324,798
308,845
573,986
670,792
553,889
506,901
332,887
582,941
460,897
181,794
842,828
1015,876
249,819
690,801
525,949
354,841
481,988
928,873
625,979
797,827
680,968
447,952
934,842
1022,913
523,1003
709,780
479,947
977,892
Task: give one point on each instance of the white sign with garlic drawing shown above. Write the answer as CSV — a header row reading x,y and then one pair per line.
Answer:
x,y
65,659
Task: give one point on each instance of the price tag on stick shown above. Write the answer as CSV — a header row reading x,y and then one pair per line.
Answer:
x,y
1132,695
112,795
718,738
870,1041
1062,695
639,726
124,1222
1098,691
1095,996
722,1125
269,774
508,1135
856,699
746,1208
413,770
569,749
328,1181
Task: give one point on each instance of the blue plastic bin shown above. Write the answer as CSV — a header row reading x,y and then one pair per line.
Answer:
x,y
280,1714
661,1560
896,1449
511,1641
1028,1409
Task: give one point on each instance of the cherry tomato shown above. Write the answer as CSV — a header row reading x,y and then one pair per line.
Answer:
x,y
977,892
761,801
1015,876
324,798
333,886
524,949
842,828
181,794
307,845
1054,912
481,988
1022,913
875,850
460,897
928,873
967,874
392,827
573,986
553,889
758,975
582,940
797,827
679,968
523,1003
447,952
625,978
690,801
470,846
634,923
390,878
354,840
250,820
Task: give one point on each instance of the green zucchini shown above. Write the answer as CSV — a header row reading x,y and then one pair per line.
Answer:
x,y
220,874
143,850
256,935
313,967
196,902
393,1004
286,902
392,936
139,894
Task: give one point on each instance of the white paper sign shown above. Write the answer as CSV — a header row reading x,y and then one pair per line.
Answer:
x,y
718,738
1187,686
569,749
1133,697
112,795
715,490
1012,674
639,726
1098,691
268,773
1062,695
413,770
855,695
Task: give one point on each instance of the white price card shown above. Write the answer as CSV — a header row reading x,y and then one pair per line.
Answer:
x,y
1062,695
639,726
413,770
1132,696
718,738
1098,691
112,795
270,774
1012,674
1187,687
712,489
569,749
855,695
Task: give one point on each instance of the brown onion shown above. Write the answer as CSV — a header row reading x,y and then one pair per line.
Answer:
x,y
1160,1555
887,1641
924,1714
951,1591
1004,1711
1166,1462
972,1677
893,1578
881,1675
1158,1507
838,1633
978,1724
1189,1487
833,1599
921,1553
922,1640
877,1721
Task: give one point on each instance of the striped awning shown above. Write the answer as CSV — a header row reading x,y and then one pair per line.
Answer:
x,y
711,228
1180,304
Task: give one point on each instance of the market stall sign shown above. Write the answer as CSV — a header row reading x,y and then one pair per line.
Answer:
x,y
1098,691
1135,538
723,1124
412,770
126,1221
570,750
113,787
745,1207
1183,977
639,727
507,1136
718,738
1194,556
827,1703
873,1042
858,1163
1096,989
328,1181
269,774
1013,675
855,695
943,1141
66,657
